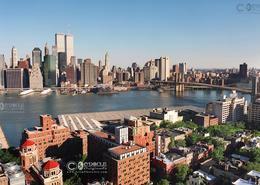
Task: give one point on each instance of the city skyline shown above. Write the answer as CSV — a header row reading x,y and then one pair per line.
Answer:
x,y
182,32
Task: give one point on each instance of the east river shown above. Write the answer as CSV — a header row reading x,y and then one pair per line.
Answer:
x,y
17,113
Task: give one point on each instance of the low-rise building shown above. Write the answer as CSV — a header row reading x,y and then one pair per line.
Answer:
x,y
165,114
205,120
251,178
14,173
200,177
3,177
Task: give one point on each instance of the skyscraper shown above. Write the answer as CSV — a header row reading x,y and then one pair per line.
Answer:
x,y
89,73
2,67
69,47
183,68
37,56
164,68
14,57
36,79
106,62
243,71
50,70
14,78
46,50
255,88
60,42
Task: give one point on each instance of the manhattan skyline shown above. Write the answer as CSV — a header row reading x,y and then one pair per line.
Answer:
x,y
203,34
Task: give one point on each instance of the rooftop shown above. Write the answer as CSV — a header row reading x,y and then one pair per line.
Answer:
x,y
27,143
122,149
104,135
242,182
207,176
50,165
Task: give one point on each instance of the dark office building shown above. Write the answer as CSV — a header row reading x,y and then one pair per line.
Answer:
x,y
50,71
243,71
62,61
14,78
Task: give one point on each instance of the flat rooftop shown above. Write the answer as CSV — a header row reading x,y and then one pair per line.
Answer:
x,y
93,120
122,149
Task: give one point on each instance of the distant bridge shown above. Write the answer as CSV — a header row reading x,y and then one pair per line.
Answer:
x,y
194,84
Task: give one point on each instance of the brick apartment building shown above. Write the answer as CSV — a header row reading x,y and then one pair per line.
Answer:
x,y
141,134
52,139
128,163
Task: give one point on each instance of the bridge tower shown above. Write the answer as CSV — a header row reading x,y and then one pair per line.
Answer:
x,y
179,78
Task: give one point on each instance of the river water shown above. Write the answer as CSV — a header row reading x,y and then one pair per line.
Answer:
x,y
17,113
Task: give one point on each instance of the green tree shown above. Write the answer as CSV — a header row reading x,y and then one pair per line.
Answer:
x,y
172,143
6,156
181,173
252,166
163,182
180,143
193,139
165,124
218,153
74,180
154,127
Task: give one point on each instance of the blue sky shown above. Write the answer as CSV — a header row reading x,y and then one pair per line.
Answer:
x,y
203,33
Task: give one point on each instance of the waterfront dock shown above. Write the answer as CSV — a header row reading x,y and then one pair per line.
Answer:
x,y
95,120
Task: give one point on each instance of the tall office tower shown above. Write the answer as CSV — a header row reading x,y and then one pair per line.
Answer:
x,y
14,78
2,67
232,108
36,79
73,60
62,62
89,73
183,68
71,74
46,49
243,71
29,154
50,71
139,77
164,68
175,68
150,71
255,89
60,42
14,57
69,47
79,61
100,65
37,56
106,62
